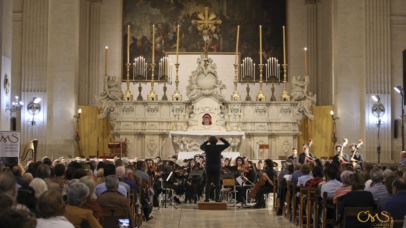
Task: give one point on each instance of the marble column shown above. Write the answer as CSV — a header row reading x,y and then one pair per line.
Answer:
x,y
90,50
34,69
6,9
312,43
378,75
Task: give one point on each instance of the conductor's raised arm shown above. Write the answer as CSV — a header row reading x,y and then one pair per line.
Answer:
x,y
203,146
226,143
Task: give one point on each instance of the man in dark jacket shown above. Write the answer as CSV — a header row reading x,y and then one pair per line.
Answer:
x,y
213,164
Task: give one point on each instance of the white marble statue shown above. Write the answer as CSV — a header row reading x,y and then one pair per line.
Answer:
x,y
306,99
108,97
204,81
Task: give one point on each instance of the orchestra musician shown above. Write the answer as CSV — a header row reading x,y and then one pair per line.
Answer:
x,y
340,156
293,158
264,184
213,165
356,157
306,156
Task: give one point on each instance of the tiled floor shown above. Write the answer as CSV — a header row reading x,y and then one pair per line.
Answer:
x,y
188,216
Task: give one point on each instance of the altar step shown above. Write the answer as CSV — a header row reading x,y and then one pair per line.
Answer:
x,y
212,206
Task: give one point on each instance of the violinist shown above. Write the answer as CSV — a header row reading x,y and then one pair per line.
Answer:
x,y
306,156
264,185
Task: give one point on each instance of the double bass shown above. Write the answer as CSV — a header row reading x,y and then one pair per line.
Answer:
x,y
260,183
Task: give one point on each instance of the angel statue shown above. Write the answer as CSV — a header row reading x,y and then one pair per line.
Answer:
x,y
111,93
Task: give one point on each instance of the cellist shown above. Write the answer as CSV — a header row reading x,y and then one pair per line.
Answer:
x,y
264,185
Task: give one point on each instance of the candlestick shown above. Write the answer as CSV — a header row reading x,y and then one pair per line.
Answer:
x,y
177,44
128,43
284,45
153,45
236,96
305,62
260,45
106,52
152,96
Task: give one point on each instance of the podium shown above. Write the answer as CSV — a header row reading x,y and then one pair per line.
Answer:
x,y
117,149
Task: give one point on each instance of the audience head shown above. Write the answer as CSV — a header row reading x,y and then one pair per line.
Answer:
x,y
346,177
402,155
398,185
39,186
112,183
47,161
120,171
18,219
268,163
109,169
213,140
59,170
141,165
6,202
376,175
77,193
16,170
28,177
43,171
331,172
317,172
8,184
357,182
91,184
50,204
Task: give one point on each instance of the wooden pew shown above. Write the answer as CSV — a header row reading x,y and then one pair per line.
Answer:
x,y
288,200
327,204
275,192
294,203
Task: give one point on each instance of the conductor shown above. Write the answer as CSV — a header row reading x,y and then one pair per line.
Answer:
x,y
213,165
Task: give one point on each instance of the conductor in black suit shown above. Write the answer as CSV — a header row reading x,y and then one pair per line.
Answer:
x,y
213,164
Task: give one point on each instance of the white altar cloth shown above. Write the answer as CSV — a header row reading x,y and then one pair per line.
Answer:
x,y
207,133
191,154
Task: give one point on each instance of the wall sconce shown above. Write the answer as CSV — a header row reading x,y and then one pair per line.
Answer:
x,y
34,107
399,90
378,110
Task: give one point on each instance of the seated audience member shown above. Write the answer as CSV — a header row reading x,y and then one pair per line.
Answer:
x,y
17,172
332,184
51,209
301,181
346,185
120,173
403,158
377,188
15,218
109,169
8,185
6,202
317,177
91,202
26,196
77,194
44,172
268,186
39,186
356,198
296,174
59,177
396,205
112,199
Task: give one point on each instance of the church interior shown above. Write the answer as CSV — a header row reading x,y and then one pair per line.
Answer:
x,y
207,113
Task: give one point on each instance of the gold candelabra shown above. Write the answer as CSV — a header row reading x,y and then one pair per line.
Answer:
x,y
261,95
176,95
152,96
236,96
285,95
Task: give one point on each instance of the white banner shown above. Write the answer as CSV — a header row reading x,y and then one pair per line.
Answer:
x,y
9,144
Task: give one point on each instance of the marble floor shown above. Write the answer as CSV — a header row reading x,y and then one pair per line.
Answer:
x,y
188,216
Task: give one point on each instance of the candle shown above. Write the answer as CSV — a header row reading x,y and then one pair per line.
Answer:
x,y
284,45
305,61
106,52
260,44
177,44
153,44
236,44
128,43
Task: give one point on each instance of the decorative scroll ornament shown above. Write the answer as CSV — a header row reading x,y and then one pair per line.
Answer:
x,y
305,98
110,95
204,81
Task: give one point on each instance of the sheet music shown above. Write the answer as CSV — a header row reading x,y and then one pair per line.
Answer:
x,y
239,180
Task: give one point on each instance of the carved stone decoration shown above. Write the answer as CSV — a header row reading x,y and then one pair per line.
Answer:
x,y
107,99
306,99
202,107
204,81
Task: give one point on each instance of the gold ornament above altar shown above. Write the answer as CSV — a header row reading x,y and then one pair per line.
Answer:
x,y
206,25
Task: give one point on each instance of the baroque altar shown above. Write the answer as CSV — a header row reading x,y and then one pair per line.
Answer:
x,y
164,128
